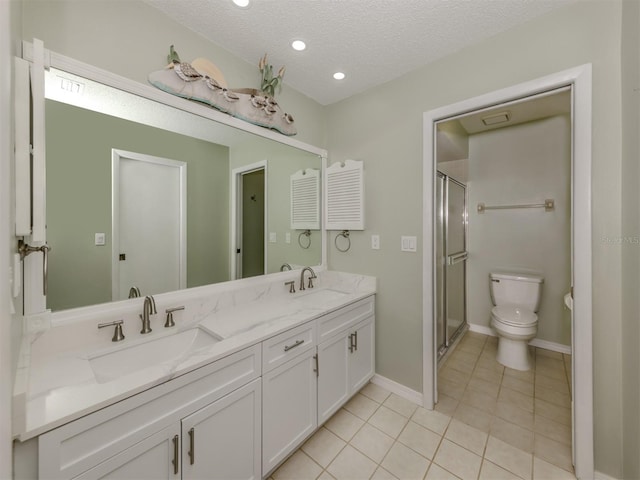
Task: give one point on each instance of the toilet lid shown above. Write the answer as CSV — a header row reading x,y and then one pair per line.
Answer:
x,y
514,315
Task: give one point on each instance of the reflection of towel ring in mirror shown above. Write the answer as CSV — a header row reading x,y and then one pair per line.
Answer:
x,y
306,233
345,234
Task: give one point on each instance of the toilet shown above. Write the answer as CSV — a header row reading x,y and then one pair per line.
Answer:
x,y
516,297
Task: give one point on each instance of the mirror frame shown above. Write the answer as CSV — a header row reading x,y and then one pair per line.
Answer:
x,y
34,300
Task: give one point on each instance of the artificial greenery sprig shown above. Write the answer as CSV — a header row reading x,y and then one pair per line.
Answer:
x,y
269,82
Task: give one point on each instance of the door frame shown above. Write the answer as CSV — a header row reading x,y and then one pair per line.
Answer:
x,y
116,156
235,241
580,79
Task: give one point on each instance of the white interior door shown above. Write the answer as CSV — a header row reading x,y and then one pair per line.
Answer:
x,y
149,224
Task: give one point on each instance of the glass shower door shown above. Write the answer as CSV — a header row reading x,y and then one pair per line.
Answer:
x,y
456,248
441,329
450,260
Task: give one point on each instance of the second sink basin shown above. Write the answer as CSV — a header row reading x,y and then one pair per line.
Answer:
x,y
110,366
320,296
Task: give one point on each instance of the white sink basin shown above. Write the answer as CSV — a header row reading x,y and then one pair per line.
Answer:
x,y
109,366
321,297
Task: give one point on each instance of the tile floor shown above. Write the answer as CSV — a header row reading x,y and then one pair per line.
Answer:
x,y
490,423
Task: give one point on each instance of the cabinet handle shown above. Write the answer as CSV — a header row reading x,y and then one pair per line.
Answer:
x,y
355,336
351,345
176,452
289,347
192,446
317,369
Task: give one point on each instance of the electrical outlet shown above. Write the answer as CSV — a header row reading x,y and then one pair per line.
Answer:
x,y
375,242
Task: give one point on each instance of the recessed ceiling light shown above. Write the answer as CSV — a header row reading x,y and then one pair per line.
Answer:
x,y
241,3
298,45
339,75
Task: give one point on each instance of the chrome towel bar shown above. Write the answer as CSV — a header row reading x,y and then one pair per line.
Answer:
x,y
548,205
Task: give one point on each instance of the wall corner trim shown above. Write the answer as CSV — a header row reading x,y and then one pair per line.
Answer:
x,y
397,388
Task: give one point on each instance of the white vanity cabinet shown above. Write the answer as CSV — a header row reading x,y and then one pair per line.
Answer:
x,y
219,441
289,401
301,393
345,355
147,435
222,440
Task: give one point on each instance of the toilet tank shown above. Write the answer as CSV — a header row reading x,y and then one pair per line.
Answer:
x,y
522,289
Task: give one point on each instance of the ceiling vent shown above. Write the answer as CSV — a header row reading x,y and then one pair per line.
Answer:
x,y
496,118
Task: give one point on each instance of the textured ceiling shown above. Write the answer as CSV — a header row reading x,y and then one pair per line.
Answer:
x,y
371,41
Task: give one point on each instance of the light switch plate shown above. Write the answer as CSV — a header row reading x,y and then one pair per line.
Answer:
x,y
272,237
408,244
101,239
287,237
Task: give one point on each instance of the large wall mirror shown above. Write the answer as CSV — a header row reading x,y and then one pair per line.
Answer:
x,y
142,195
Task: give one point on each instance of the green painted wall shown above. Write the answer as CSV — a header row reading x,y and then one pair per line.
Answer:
x,y
585,32
79,144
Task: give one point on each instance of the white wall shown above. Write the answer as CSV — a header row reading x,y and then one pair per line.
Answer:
x,y
631,231
585,32
10,325
522,164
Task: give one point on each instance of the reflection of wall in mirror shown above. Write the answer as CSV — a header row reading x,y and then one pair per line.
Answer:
x,y
79,146
282,161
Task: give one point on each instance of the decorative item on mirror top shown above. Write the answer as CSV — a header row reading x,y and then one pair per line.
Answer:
x,y
202,81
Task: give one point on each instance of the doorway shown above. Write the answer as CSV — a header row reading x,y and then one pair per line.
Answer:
x,y
249,193
579,80
149,220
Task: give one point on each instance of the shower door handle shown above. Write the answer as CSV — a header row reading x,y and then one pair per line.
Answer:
x,y
457,258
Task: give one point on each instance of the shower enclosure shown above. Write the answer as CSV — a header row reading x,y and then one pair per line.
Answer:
x,y
451,260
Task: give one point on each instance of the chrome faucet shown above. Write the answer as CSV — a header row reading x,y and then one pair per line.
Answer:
x,y
134,292
285,266
148,308
313,275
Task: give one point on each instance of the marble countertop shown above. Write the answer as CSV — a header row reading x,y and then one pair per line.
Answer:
x,y
58,383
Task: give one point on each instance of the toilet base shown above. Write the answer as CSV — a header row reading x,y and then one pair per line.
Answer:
x,y
514,353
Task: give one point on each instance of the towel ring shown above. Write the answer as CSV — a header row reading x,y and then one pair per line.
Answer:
x,y
306,233
345,234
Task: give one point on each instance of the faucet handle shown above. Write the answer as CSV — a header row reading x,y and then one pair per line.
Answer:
x,y
291,284
169,312
117,334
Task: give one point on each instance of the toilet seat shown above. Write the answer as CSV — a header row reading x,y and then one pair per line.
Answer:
x,y
514,316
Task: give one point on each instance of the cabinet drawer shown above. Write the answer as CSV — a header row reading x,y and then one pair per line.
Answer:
x,y
77,446
335,322
289,344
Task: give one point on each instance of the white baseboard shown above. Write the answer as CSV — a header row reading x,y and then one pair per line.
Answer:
x,y
602,476
482,329
397,388
554,347
536,342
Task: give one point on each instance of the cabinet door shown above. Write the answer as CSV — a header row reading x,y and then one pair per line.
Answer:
x,y
289,408
222,440
361,360
333,383
152,458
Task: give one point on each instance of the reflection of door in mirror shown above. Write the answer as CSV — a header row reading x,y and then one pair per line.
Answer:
x,y
252,250
149,224
249,195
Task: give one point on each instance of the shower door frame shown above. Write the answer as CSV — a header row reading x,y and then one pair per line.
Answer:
x,y
442,296
580,80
